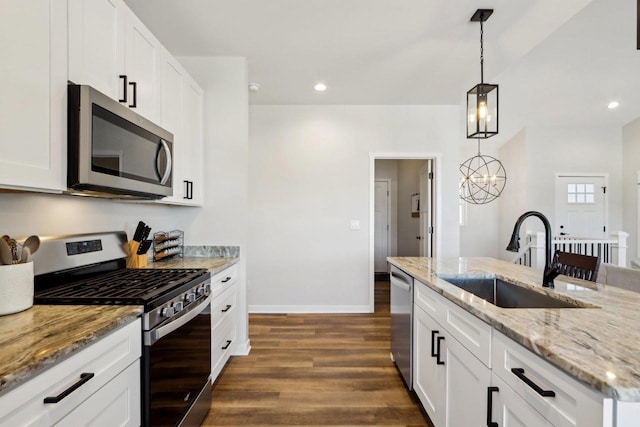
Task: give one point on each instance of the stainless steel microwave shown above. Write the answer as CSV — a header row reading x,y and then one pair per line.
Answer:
x,y
113,151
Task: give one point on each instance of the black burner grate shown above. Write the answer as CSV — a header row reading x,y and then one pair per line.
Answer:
x,y
124,286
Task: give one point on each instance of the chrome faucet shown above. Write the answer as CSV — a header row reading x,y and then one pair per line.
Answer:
x,y
550,271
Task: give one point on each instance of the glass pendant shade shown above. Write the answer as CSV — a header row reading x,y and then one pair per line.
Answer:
x,y
482,111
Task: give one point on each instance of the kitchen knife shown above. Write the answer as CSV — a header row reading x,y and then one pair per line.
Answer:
x,y
145,233
144,247
137,235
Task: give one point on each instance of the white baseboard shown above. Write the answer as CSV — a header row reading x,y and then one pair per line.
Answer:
x,y
309,309
242,349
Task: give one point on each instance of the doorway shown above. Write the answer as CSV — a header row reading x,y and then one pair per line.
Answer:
x,y
402,212
581,205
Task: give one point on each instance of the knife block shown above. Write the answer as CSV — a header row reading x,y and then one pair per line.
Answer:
x,y
134,260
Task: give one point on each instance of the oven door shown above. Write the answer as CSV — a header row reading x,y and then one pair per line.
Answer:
x,y
177,369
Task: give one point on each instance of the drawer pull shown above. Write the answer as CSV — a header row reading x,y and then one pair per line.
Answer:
x,y
227,345
519,372
438,361
83,379
226,308
490,391
226,280
433,343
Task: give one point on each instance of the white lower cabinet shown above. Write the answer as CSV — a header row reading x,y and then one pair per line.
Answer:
x,y
224,318
429,378
449,380
98,386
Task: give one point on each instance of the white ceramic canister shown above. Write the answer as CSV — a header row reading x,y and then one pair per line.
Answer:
x,y
16,287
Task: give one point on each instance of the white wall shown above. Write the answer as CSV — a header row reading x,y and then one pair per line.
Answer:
x,y
309,177
631,166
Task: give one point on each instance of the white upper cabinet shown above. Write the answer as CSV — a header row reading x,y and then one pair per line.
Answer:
x,y
33,41
193,162
111,50
142,65
96,45
182,115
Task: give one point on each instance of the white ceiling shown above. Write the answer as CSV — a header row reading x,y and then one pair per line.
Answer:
x,y
366,51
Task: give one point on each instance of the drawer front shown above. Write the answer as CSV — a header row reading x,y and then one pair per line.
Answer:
x,y
105,359
509,409
574,404
224,280
223,307
471,332
428,300
115,404
223,343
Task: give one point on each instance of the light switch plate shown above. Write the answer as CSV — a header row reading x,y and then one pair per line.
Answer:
x,y
355,224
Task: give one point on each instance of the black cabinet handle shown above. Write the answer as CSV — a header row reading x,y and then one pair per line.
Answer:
x,y
226,279
438,361
226,308
490,391
186,189
227,346
519,372
190,190
124,88
433,343
135,95
83,379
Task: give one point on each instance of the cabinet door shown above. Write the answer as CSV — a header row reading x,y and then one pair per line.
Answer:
x,y
511,410
142,63
33,102
115,404
467,382
193,155
173,76
96,45
429,378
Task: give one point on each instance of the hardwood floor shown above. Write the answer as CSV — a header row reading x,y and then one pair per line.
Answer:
x,y
324,369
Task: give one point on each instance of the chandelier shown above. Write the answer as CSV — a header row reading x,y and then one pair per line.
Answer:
x,y
483,179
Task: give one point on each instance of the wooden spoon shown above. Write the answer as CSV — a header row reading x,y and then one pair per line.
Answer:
x,y
33,243
5,253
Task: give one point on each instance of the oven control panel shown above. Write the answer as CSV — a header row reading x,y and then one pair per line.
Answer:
x,y
175,306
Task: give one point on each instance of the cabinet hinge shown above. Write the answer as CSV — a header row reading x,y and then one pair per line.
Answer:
x,y
430,175
430,229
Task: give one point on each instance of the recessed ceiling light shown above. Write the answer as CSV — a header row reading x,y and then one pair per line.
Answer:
x,y
320,87
613,104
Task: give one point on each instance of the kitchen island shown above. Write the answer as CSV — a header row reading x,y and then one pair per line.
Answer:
x,y
597,344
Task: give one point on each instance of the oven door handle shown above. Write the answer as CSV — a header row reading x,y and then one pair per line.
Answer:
x,y
154,335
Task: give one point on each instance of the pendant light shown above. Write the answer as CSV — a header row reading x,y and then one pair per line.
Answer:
x,y
483,177
482,99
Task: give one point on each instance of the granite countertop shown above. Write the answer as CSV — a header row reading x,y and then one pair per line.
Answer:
x,y
599,345
213,264
39,337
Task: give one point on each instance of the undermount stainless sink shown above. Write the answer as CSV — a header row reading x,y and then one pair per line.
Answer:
x,y
505,294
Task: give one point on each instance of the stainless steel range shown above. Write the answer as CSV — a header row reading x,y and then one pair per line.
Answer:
x,y
176,325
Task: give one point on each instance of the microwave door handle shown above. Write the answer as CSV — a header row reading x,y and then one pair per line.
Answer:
x,y
167,169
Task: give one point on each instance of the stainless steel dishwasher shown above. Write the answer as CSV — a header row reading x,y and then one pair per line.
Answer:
x,y
402,323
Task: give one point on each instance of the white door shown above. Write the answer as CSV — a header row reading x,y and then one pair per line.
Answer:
x,y
581,206
509,409
427,205
381,220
